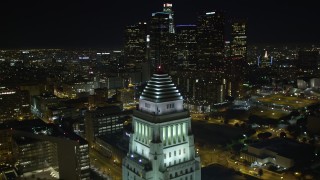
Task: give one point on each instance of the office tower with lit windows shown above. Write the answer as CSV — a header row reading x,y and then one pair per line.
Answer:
x,y
14,104
161,144
33,154
237,61
35,146
104,121
135,43
239,39
162,37
210,39
186,45
167,7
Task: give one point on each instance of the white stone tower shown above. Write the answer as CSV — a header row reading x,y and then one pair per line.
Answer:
x,y
161,144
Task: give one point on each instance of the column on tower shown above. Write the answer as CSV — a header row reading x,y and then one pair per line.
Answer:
x,y
174,134
136,129
146,133
140,131
149,134
179,132
184,131
164,139
143,134
169,135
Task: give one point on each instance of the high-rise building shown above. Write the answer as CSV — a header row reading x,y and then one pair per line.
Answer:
x,y
99,99
14,104
167,7
227,49
33,154
37,146
126,95
237,61
210,39
161,144
161,40
162,37
186,45
239,39
135,43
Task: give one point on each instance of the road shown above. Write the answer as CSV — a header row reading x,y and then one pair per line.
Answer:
x,y
105,165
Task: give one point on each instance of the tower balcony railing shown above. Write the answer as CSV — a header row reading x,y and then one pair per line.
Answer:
x,y
138,161
161,118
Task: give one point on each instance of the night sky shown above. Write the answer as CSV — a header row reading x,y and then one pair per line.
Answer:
x,y
100,24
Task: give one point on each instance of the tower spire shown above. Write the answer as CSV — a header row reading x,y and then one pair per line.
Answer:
x,y
266,54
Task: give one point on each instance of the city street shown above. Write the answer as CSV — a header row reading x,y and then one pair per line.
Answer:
x,y
105,165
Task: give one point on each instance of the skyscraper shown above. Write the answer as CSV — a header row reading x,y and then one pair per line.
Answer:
x,y
161,144
186,45
239,39
135,43
161,40
237,62
162,37
167,7
210,39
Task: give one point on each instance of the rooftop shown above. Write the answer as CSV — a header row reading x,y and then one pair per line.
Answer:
x,y
285,147
160,89
38,127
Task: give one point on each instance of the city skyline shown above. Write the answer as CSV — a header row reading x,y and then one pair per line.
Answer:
x,y
101,24
92,91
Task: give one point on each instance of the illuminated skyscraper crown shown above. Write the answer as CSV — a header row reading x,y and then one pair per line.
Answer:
x,y
160,89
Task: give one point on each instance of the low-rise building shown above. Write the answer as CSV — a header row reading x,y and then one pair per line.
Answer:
x,y
280,152
104,121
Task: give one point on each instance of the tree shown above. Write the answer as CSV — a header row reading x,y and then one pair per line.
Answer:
x,y
260,172
283,134
272,168
295,113
243,125
264,135
304,140
312,141
249,132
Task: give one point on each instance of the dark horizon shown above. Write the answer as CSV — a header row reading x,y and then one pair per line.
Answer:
x,y
83,24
